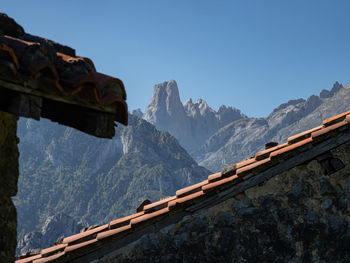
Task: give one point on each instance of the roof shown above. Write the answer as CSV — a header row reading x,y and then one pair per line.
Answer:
x,y
217,188
41,78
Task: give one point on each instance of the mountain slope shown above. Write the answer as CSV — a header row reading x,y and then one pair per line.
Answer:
x,y
243,138
93,179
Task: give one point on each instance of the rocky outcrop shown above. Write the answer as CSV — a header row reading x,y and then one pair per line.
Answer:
x,y
97,180
8,185
55,227
137,113
240,139
301,215
191,123
166,112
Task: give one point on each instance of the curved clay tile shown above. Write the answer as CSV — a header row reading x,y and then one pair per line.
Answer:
x,y
8,54
109,85
68,87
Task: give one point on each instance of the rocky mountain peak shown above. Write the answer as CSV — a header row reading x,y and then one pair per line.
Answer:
x,y
324,94
191,122
166,112
137,112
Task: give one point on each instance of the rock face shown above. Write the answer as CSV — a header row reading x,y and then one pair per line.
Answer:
x,y
55,227
8,185
300,215
97,180
240,139
191,123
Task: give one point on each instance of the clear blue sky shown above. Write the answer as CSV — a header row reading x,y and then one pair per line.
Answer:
x,y
253,55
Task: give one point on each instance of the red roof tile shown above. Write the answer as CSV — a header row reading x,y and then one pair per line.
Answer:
x,y
53,250
215,185
303,135
335,119
181,201
214,177
39,67
158,205
50,258
288,149
266,153
329,128
196,194
241,172
112,232
245,162
87,234
79,245
28,259
146,217
124,220
144,203
190,189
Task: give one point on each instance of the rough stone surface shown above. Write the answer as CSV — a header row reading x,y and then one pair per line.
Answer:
x,y
8,186
300,215
191,123
8,229
55,227
8,154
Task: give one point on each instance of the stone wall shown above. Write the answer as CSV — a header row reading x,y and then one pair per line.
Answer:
x,y
302,215
8,185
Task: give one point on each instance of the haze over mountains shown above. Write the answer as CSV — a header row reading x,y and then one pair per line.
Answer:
x,y
218,138
96,180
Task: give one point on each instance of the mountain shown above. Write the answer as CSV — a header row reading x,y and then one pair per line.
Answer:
x,y
94,179
240,139
55,227
191,123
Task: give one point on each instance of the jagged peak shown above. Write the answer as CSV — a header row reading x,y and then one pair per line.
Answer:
x,y
289,103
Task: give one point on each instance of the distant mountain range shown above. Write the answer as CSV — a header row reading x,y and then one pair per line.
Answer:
x,y
94,179
97,180
218,138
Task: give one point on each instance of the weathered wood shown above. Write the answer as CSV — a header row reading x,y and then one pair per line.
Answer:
x,y
27,88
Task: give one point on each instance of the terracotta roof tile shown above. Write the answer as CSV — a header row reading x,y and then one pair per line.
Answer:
x,y
335,119
158,205
28,259
214,177
329,128
89,234
112,232
266,153
303,135
50,258
124,220
39,67
245,170
288,149
190,189
197,193
186,199
146,217
215,185
144,203
245,162
53,250
79,245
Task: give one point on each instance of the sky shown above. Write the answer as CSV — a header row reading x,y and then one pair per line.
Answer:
x,y
250,54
